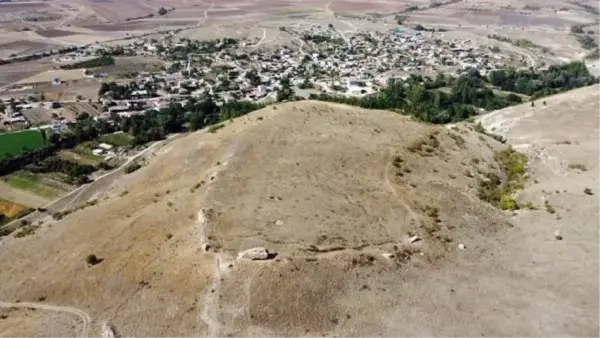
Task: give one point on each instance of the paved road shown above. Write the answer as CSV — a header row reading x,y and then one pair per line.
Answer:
x,y
85,318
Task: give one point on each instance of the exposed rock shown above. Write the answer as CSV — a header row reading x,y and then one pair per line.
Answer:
x,y
414,239
388,255
557,235
259,253
278,222
462,246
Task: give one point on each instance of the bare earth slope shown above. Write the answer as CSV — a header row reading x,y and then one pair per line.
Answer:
x,y
337,192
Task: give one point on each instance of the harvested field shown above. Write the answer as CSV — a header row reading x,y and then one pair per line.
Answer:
x,y
47,76
141,25
8,7
38,116
53,33
10,209
81,154
15,72
76,108
361,7
25,47
227,13
504,19
42,185
125,65
14,143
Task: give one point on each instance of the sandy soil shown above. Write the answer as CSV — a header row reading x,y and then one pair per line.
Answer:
x,y
16,322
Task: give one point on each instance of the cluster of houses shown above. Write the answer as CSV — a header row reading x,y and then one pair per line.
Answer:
x,y
322,60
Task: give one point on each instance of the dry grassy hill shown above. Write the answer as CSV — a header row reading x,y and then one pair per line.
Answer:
x,y
336,192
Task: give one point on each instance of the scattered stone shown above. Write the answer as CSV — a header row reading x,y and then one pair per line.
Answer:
x,y
388,255
205,247
414,239
258,253
107,331
462,246
557,235
278,222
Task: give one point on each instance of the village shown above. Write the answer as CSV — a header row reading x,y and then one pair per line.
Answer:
x,y
320,59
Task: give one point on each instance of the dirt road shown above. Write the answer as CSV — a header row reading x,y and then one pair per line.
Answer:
x,y
85,318
84,193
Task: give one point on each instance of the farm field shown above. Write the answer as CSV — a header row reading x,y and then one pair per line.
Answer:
x,y
14,143
81,154
117,139
10,211
33,183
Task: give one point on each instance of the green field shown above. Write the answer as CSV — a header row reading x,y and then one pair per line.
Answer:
x,y
117,139
15,143
32,183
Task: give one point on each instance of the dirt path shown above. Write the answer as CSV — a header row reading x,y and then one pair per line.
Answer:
x,y
85,192
329,12
210,306
85,318
262,39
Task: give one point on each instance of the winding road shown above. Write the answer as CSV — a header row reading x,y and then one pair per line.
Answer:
x,y
84,316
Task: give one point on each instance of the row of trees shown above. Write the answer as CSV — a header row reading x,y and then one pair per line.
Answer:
x,y
153,125
105,60
123,92
440,100
447,99
555,79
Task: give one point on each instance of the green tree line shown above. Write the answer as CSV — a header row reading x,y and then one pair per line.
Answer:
x,y
447,99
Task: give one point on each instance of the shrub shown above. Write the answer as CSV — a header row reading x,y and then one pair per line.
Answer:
x,y
214,128
5,232
26,231
132,167
92,260
507,203
549,208
578,167
497,192
529,206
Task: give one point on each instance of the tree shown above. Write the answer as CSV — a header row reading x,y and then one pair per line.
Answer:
x,y
253,77
162,11
285,91
576,29
195,120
